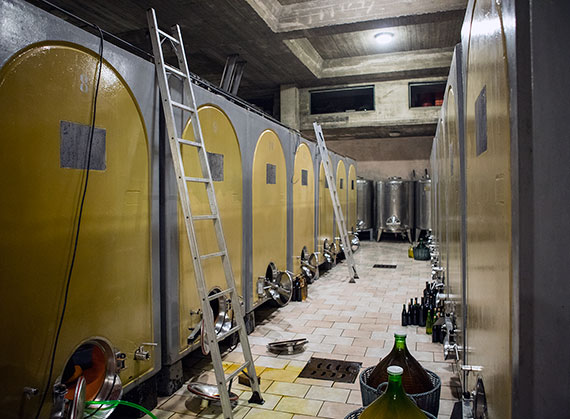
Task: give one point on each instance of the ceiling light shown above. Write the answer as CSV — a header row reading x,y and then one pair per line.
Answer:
x,y
394,133
384,37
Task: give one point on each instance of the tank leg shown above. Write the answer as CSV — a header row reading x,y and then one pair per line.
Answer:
x,y
410,237
249,319
170,378
379,235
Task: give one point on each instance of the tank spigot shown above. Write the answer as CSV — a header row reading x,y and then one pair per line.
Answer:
x,y
141,354
58,408
31,392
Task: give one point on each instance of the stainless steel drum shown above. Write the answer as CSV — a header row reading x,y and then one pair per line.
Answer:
x,y
423,204
364,204
395,206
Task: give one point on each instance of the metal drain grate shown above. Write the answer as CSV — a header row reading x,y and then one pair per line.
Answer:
x,y
379,265
331,369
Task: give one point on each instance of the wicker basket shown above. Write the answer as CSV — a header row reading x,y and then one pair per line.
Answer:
x,y
428,401
355,414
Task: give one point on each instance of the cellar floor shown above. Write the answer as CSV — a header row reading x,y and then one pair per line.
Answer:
x,y
353,322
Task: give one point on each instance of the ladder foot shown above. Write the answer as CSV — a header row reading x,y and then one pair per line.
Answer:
x,y
256,398
352,281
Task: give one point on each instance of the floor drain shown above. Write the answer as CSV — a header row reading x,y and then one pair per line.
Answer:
x,y
331,369
379,265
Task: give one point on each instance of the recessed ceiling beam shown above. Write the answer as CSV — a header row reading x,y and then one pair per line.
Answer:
x,y
322,13
377,65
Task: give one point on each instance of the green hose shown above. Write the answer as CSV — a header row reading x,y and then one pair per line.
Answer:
x,y
114,403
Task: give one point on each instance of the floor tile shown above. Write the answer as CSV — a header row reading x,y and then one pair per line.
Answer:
x,y
283,375
336,410
255,413
289,389
328,394
264,361
183,404
270,400
300,406
160,414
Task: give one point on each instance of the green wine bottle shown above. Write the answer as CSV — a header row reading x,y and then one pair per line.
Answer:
x,y
429,323
394,403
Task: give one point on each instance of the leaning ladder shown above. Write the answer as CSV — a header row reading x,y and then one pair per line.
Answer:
x,y
335,201
158,37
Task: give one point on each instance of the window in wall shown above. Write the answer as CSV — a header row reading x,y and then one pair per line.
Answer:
x,y
425,94
349,99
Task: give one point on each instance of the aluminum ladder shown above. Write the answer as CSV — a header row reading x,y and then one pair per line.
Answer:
x,y
163,70
341,224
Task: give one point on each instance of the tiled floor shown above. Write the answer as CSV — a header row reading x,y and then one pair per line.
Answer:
x,y
353,322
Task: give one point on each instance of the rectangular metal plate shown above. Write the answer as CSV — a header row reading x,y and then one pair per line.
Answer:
x,y
341,183
271,174
382,266
331,370
304,177
74,143
481,121
216,162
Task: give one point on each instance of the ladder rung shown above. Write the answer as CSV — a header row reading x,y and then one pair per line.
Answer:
x,y
188,142
173,39
219,294
205,217
229,332
213,255
196,179
182,106
236,372
174,70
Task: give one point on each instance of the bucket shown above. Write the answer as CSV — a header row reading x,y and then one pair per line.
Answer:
x,y
428,401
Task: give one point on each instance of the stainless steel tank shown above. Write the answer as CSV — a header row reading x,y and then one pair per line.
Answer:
x,y
364,204
395,206
423,204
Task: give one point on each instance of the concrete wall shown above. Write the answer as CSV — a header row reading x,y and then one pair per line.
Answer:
x,y
384,157
378,170
391,108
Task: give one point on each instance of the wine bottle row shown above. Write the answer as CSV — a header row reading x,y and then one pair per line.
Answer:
x,y
426,313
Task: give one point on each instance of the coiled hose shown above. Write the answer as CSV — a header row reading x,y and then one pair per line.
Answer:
x,y
114,403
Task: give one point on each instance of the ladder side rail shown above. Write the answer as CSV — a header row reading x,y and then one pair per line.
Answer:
x,y
202,154
236,305
336,202
184,196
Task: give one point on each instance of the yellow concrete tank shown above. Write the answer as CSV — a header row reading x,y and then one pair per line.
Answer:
x,y
46,94
225,164
351,211
341,188
303,205
488,168
269,208
326,215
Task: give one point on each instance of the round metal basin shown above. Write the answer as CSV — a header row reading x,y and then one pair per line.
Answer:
x,y
208,391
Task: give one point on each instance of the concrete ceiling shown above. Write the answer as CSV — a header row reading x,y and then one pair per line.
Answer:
x,y
306,43
302,42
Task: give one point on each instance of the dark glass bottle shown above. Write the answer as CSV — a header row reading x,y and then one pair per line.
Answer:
x,y
415,378
404,316
394,403
421,315
416,313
